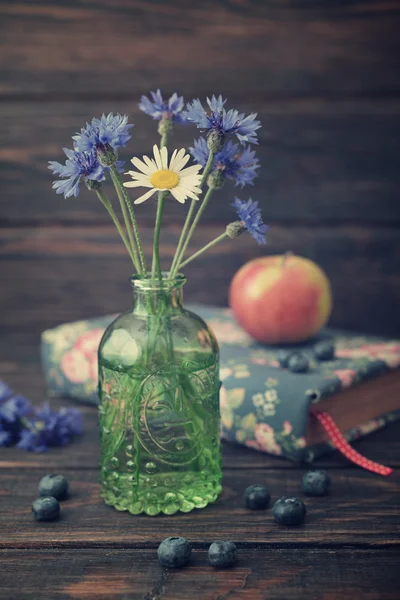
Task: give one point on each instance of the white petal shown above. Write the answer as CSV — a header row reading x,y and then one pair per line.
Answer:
x,y
157,157
178,195
193,170
191,188
190,182
188,175
150,163
179,165
172,160
164,157
137,175
178,158
190,193
145,196
139,164
133,184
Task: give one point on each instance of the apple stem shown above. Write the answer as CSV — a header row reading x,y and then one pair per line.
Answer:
x,y
285,257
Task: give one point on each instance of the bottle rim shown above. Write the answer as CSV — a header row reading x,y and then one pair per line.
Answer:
x,y
140,282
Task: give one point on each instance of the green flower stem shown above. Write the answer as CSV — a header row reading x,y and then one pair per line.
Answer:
x,y
191,230
218,239
207,169
164,139
126,203
189,217
108,206
156,266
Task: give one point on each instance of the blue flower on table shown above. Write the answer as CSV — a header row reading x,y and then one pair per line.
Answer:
x,y
14,408
250,215
35,429
50,428
5,436
237,163
108,131
158,108
220,121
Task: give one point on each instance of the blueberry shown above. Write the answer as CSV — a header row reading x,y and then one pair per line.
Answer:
x,y
316,483
324,350
53,485
298,363
289,511
222,554
257,497
283,356
174,552
46,509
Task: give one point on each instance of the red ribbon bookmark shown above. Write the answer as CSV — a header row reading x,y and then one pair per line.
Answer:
x,y
344,447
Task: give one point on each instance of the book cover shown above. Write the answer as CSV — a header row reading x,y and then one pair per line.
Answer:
x,y
262,405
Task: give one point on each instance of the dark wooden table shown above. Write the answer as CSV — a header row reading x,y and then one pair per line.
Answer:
x,y
348,547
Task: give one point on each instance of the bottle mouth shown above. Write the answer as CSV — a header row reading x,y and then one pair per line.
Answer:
x,y
141,282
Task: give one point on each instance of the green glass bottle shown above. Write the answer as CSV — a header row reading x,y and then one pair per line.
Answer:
x,y
159,405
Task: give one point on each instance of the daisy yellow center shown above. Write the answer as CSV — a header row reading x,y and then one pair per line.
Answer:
x,y
164,179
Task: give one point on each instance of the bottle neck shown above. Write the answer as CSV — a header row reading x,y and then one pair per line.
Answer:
x,y
155,297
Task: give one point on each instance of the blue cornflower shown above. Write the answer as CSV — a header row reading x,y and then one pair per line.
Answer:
x,y
5,436
159,108
35,429
108,131
32,441
220,121
237,163
13,409
78,164
250,215
70,419
50,428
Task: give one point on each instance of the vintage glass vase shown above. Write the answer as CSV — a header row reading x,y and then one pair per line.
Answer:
x,y
159,405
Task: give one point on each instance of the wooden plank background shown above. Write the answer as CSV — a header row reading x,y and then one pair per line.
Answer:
x,y
324,78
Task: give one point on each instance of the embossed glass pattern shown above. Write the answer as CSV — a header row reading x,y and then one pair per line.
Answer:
x,y
159,405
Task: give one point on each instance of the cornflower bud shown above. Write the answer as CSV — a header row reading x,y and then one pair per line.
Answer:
x,y
234,229
165,126
215,141
216,179
93,185
107,155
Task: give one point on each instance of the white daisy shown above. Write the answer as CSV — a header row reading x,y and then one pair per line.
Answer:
x,y
158,175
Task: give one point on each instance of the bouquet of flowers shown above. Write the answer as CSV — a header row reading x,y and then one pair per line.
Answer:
x,y
216,157
159,363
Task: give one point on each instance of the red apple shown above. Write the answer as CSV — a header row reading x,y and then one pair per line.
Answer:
x,y
281,299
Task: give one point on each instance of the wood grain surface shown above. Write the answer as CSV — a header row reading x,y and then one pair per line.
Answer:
x,y
324,80
273,574
349,541
58,274
246,47
87,521
321,163
24,375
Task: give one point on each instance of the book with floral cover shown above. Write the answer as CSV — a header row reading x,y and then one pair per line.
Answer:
x,y
263,406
